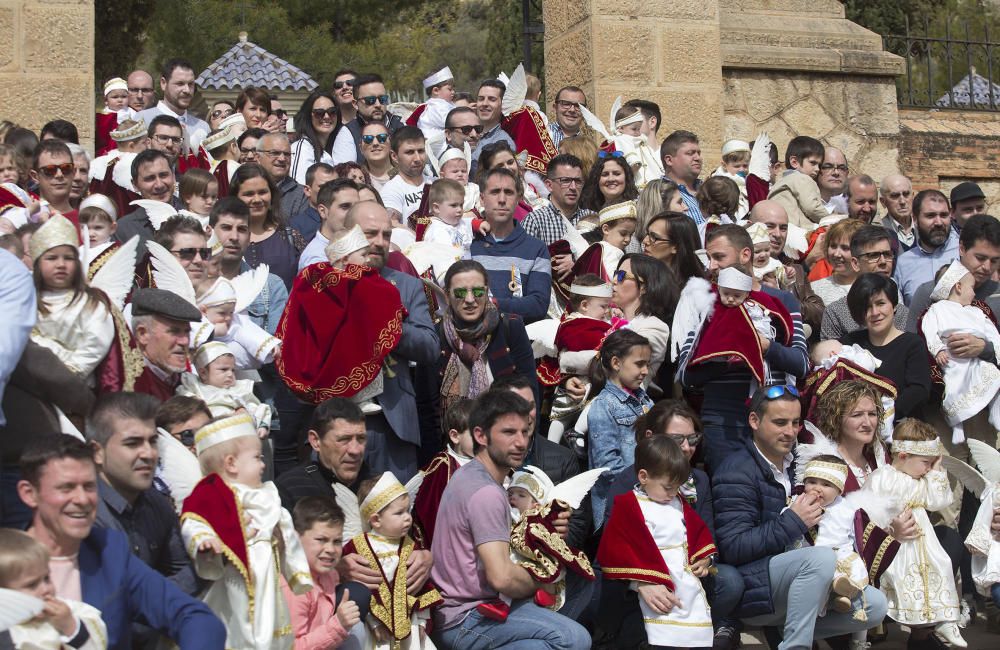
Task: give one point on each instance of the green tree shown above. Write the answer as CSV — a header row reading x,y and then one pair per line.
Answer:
x,y
126,21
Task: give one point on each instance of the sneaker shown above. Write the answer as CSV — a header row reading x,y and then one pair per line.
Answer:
x,y
950,633
727,637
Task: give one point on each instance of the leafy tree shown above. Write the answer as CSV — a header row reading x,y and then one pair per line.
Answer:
x,y
126,20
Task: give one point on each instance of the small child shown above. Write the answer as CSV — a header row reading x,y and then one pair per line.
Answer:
x,y
438,472
454,165
13,168
62,624
385,512
629,140
797,190
113,113
251,345
99,215
920,582
216,384
447,224
615,227
657,541
199,190
115,95
616,375
241,539
430,116
734,290
735,166
985,548
328,614
970,385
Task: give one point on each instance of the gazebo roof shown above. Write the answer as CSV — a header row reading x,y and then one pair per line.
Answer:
x,y
247,64
981,89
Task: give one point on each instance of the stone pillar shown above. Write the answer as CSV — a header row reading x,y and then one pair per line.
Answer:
x,y
47,63
666,51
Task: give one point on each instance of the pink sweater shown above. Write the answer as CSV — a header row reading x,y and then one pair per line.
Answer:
x,y
314,616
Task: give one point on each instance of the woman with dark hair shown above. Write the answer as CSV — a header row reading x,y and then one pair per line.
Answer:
x,y
272,240
255,106
672,238
872,300
499,154
645,290
317,124
353,171
610,181
221,109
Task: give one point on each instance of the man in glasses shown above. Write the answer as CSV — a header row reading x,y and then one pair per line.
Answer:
x,y
274,153
564,181
178,87
569,119
153,177
937,243
167,135
52,168
141,94
786,589
371,101
488,101
896,196
462,125
832,180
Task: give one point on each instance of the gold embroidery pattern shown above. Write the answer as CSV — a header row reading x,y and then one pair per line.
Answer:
x,y
636,571
703,552
537,561
228,553
382,501
656,621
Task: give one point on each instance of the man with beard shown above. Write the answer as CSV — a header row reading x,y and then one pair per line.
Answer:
x,y
161,326
681,157
177,84
832,180
862,198
937,243
896,196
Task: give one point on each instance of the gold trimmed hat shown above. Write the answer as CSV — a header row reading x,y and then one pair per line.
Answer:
x,y
129,130
209,352
835,473
217,138
386,490
236,119
623,210
353,240
115,83
57,231
942,288
224,430
918,447
220,293
534,480
629,119
758,233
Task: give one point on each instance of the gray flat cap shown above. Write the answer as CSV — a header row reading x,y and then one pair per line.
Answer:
x,y
160,302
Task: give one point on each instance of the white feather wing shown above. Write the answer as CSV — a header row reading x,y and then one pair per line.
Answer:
x,y
694,308
179,468
157,211
820,446
117,275
572,490
169,274
880,509
517,90
122,173
760,157
987,458
17,608
966,474
542,335
595,122
248,286
615,107
413,486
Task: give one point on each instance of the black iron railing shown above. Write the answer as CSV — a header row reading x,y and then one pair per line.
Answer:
x,y
532,33
948,66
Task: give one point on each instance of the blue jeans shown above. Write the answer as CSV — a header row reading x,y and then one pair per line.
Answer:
x,y
528,627
727,592
995,592
800,585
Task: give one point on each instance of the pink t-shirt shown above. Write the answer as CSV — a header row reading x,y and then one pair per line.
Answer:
x,y
473,511
65,575
314,614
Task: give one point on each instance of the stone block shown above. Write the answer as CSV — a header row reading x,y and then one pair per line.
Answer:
x,y
621,51
832,8
738,126
767,95
808,117
58,37
569,61
849,142
560,17
692,109
674,9
779,132
690,53
32,100
732,94
9,49
871,105
830,92
881,159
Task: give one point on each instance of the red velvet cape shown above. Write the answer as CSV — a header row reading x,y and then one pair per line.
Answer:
x,y
819,381
528,131
437,474
213,503
628,552
104,124
415,115
337,328
107,186
221,174
574,335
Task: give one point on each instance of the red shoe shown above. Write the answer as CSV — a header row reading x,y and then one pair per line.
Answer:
x,y
496,610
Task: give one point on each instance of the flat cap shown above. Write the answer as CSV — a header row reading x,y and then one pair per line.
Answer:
x,y
160,302
966,190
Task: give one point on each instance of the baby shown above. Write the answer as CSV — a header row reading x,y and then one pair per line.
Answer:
x,y
735,166
832,356
98,214
454,165
250,345
970,385
216,384
447,224
430,116
24,568
115,95
734,290
385,513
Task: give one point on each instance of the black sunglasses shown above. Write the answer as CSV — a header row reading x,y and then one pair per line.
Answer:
x,y
381,137
371,99
188,254
186,436
466,130
337,85
281,113
318,113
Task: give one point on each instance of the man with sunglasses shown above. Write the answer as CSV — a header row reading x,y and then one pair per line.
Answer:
x,y
52,168
754,525
569,119
343,93
177,82
371,101
153,177
460,126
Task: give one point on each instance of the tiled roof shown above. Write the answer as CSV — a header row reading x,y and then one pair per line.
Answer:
x,y
979,97
247,64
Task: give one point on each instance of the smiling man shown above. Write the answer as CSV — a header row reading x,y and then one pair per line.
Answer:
x,y
154,178
178,87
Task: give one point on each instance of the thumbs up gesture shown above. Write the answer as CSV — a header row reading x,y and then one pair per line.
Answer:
x,y
347,611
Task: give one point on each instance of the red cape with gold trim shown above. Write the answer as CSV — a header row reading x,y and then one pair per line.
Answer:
x,y
213,502
104,124
730,333
542,551
528,131
628,552
221,173
573,335
337,328
819,381
107,186
437,474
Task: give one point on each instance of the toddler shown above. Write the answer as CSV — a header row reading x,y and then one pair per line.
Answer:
x,y
626,137
970,385
61,624
199,190
797,190
385,513
430,116
454,164
833,358
223,305
241,539
735,166
447,224
98,214
615,226
216,384
734,290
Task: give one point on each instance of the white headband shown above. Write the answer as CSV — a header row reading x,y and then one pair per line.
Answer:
x,y
918,447
600,291
835,473
630,119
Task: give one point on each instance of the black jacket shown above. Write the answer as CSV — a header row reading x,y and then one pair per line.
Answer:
x,y
392,123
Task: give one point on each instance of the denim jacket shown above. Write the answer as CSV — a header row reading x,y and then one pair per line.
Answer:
x,y
265,311
610,423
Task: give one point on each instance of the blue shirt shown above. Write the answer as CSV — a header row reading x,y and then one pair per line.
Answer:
x,y
691,201
265,311
307,222
17,303
917,266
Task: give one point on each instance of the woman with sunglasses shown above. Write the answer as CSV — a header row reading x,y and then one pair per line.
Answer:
x,y
272,240
478,342
672,238
611,181
645,290
375,151
220,111
316,125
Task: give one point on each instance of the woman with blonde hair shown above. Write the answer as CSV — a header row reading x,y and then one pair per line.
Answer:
x,y
583,148
850,414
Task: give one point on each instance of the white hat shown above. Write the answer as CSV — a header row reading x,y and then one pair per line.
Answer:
x,y
102,202
209,352
771,267
220,293
57,231
215,244
534,480
236,119
629,119
133,132
623,210
224,430
439,77
956,271
454,153
835,473
600,291
353,240
733,278
386,490
758,233
218,138
116,83
732,146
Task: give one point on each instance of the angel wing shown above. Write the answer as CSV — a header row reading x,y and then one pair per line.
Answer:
x,y
248,286
17,607
987,458
122,173
880,509
517,90
821,445
413,486
179,468
797,242
966,474
542,335
760,157
595,123
694,307
572,490
85,248
432,255
615,107
116,276
169,274
436,145
467,151
503,78
157,211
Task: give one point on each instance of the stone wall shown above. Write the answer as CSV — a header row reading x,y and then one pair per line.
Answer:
x,y
47,63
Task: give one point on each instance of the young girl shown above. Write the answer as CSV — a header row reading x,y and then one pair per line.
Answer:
x,y
616,375
920,583
216,384
970,385
199,190
241,539
658,542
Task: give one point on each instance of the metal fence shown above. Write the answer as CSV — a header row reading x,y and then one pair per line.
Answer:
x,y
948,65
532,33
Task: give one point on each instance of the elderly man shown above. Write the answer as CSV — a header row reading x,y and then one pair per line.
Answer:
x,y
569,118
832,180
937,243
178,87
967,199
60,485
153,176
862,198
141,94
755,527
161,326
896,196
81,174
274,153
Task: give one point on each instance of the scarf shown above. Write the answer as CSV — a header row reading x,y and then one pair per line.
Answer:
x,y
688,491
467,374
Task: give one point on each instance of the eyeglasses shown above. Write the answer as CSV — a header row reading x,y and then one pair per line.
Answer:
x,y
281,113
274,153
168,139
827,167
318,113
50,171
566,181
222,113
614,154
567,105
381,137
188,254
186,436
337,85
655,239
144,91
780,390
875,256
371,99
461,293
466,130
621,275
693,439
249,151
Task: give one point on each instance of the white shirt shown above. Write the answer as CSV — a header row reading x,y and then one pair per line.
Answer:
x,y
196,128
344,149
780,475
315,251
460,235
304,157
402,197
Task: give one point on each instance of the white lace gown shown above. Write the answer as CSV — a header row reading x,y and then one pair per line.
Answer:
x,y
919,584
985,550
689,625
80,334
836,531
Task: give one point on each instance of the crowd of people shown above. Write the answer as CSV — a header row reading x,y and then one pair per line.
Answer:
x,y
484,374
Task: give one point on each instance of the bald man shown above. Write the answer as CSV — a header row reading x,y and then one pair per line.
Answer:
x,y
896,196
832,180
774,217
141,93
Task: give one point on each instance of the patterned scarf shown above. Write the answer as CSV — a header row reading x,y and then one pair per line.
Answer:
x,y
467,374
688,490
